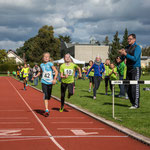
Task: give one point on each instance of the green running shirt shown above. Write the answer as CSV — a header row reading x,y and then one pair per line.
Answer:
x,y
68,70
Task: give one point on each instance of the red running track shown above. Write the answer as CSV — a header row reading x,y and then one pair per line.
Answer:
x,y
22,125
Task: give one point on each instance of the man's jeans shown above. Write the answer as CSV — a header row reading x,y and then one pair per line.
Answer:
x,y
36,81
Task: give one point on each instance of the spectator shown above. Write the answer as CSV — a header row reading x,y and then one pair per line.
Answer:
x,y
30,73
58,69
107,78
112,74
133,55
120,68
36,70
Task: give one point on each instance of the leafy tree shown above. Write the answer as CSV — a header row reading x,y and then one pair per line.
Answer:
x,y
115,47
106,41
43,42
146,51
3,55
65,38
125,39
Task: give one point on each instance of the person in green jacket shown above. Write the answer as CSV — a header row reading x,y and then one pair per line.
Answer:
x,y
107,78
112,74
91,75
120,68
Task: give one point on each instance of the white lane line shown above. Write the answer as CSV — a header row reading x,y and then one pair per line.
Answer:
x,y
11,110
11,118
81,128
46,130
73,122
15,122
66,117
10,140
19,129
74,136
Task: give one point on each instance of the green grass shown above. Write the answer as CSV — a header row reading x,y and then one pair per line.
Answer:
x,y
137,120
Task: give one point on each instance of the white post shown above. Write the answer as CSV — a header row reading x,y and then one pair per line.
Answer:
x,y
113,100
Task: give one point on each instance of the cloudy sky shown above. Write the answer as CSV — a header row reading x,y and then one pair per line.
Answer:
x,y
21,19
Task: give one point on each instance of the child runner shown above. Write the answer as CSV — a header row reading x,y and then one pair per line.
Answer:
x,y
112,74
47,80
107,67
99,69
67,78
25,72
91,75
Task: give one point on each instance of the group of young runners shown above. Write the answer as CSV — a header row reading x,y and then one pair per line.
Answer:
x,y
96,71
67,71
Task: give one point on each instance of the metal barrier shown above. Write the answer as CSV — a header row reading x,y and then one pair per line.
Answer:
x,y
125,82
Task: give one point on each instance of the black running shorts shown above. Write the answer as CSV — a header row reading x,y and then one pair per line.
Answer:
x,y
47,90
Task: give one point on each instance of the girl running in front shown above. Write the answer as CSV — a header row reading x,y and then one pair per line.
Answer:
x,y
47,80
99,69
67,75
25,72
91,75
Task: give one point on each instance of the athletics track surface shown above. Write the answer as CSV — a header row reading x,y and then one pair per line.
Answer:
x,y
23,127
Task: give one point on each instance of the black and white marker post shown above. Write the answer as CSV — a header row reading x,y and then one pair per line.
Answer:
x,y
125,82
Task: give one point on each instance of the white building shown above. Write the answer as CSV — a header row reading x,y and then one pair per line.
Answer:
x,y
85,52
12,55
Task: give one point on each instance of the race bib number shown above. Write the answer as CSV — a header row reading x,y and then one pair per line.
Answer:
x,y
25,74
68,72
47,76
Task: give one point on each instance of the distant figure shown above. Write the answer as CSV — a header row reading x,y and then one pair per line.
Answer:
x,y
91,75
36,69
99,69
120,68
112,74
107,78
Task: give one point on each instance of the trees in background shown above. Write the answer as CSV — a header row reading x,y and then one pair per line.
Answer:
x,y
65,38
3,56
115,47
106,41
146,51
125,39
43,42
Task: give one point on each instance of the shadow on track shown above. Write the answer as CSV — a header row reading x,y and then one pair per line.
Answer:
x,y
39,111
57,109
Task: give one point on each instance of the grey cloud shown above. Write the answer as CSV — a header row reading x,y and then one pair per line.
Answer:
x,y
80,19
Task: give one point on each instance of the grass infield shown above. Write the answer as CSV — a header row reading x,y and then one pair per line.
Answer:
x,y
137,120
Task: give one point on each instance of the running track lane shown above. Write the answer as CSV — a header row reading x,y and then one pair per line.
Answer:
x,y
22,124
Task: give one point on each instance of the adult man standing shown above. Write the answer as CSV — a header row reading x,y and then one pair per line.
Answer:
x,y
133,55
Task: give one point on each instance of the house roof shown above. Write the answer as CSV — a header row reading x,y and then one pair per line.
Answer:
x,y
12,52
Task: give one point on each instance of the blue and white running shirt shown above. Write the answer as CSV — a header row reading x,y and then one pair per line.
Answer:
x,y
47,73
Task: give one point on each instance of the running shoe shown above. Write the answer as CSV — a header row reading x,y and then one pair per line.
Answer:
x,y
94,97
24,89
26,84
61,109
133,107
46,114
89,90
